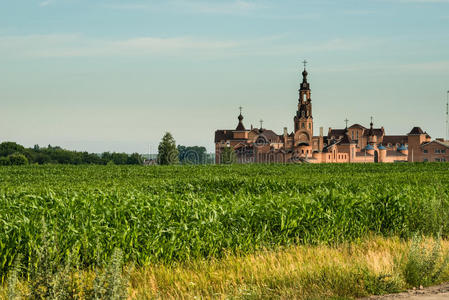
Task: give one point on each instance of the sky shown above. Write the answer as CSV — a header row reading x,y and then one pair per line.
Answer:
x,y
110,75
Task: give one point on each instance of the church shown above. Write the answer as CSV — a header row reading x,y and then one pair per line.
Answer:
x,y
353,144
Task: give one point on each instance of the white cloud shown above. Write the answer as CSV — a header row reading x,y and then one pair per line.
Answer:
x,y
434,66
72,45
191,6
80,46
423,1
45,3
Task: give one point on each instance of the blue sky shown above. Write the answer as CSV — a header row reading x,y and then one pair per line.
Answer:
x,y
113,75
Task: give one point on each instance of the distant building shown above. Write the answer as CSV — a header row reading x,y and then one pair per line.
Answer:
x,y
150,162
353,144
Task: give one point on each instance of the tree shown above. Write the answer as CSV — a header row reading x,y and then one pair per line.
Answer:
x,y
18,159
228,155
192,155
167,152
135,159
8,148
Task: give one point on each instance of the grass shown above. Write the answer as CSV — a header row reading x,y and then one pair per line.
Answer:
x,y
376,265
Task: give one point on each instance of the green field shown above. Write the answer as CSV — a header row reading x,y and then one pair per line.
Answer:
x,y
171,214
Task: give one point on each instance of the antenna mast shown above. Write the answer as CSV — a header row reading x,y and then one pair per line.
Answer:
x,y
447,115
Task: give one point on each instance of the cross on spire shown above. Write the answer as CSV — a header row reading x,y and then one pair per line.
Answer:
x,y
346,121
240,108
261,123
371,119
304,63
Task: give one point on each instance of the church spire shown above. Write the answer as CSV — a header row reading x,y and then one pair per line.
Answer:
x,y
240,126
304,85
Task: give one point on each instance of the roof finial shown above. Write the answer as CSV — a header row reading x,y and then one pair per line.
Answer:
x,y
240,108
261,123
304,76
371,124
346,121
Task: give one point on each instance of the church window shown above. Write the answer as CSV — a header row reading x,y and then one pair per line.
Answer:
x,y
357,135
425,160
352,134
310,126
425,151
443,150
302,125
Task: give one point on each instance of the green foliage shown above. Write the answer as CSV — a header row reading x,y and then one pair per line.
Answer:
x,y
8,148
13,279
111,284
17,159
228,156
167,152
424,265
57,155
192,155
174,213
4,161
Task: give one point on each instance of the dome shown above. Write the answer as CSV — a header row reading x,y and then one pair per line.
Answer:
x,y
369,147
402,148
381,147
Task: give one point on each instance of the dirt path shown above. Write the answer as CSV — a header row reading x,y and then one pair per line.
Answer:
x,y
438,292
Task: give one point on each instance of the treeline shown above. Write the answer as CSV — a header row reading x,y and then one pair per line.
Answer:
x,y
14,154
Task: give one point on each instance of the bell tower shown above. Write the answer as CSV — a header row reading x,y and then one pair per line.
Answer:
x,y
303,121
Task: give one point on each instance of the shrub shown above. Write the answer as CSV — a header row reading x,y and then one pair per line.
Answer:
x,y
424,265
17,159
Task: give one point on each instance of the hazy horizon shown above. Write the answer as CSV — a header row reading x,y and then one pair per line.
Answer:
x,y
114,76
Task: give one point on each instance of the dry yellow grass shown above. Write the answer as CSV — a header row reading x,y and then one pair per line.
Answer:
x,y
300,272
372,266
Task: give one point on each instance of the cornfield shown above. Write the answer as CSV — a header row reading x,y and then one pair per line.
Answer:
x,y
171,214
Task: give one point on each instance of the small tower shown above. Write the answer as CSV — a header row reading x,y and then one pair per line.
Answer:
x,y
240,126
240,132
303,121
372,138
